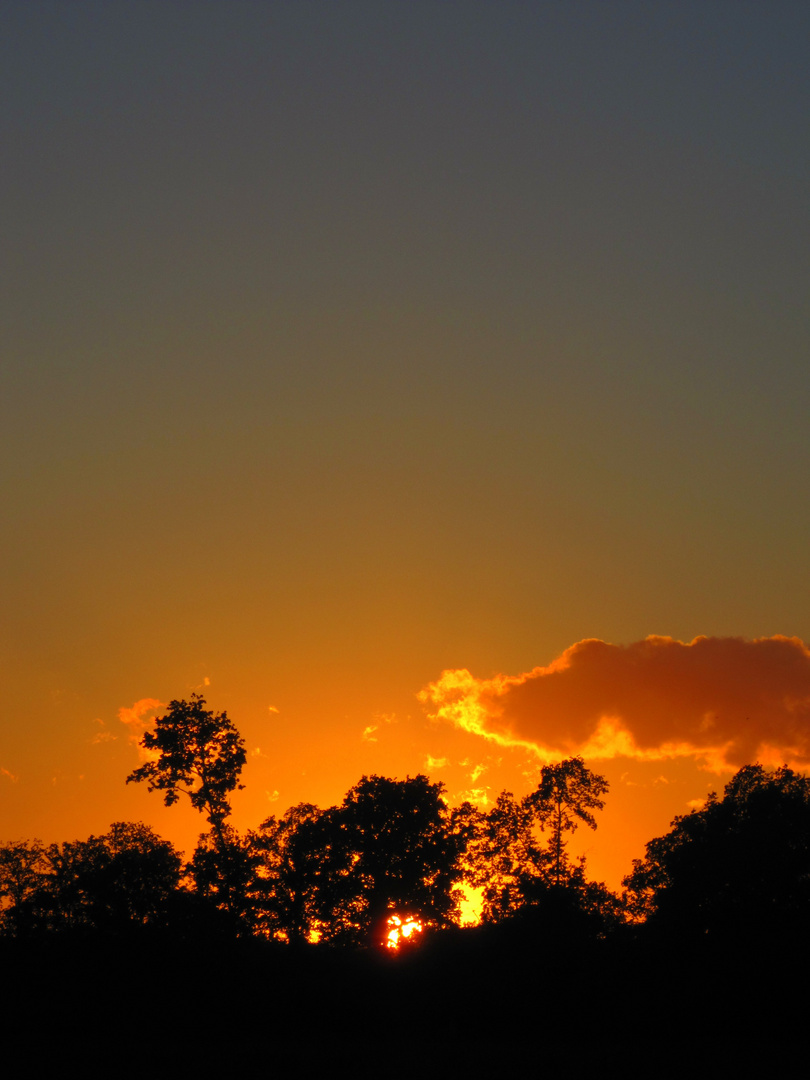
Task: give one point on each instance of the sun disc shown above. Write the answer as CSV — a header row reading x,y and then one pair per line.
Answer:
x,y
401,929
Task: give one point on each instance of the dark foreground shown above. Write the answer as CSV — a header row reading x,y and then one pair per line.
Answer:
x,y
486,1001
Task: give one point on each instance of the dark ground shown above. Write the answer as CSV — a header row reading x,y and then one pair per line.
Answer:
x,y
474,1001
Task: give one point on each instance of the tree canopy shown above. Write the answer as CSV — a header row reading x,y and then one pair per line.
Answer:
x,y
388,847
519,851
198,753
566,795
292,865
741,864
121,880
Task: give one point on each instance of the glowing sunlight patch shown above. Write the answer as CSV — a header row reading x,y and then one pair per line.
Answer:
x,y
469,703
400,930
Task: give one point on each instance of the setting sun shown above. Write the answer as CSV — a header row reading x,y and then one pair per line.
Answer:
x,y
401,930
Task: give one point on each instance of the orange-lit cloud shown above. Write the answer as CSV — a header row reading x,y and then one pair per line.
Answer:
x,y
726,701
104,735
137,719
432,763
479,796
379,718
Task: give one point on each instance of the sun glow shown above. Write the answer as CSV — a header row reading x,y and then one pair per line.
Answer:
x,y
401,930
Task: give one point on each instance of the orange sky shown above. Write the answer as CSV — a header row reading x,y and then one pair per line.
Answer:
x,y
349,345
664,721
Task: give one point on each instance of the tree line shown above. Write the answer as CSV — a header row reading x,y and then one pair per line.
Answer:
x,y
396,849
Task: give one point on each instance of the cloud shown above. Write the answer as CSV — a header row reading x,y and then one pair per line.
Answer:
x,y
480,796
104,735
381,718
9,775
137,719
726,701
435,762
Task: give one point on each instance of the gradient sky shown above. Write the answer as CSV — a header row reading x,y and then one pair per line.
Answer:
x,y
348,344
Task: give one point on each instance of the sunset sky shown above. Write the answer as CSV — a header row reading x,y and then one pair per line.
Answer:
x,y
426,384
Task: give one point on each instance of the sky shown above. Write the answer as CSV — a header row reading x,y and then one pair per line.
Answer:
x,y
425,384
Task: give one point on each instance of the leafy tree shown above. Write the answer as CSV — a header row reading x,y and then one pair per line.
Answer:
x,y
566,795
519,851
293,864
199,753
508,860
387,848
23,864
138,874
225,871
467,824
738,867
112,883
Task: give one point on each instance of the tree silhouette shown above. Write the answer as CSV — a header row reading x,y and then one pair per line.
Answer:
x,y
23,865
507,859
738,867
199,753
112,883
139,873
566,795
225,871
387,848
518,852
293,863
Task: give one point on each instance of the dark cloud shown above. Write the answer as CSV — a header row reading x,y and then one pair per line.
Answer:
x,y
727,700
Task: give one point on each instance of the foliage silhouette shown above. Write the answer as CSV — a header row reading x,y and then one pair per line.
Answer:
x,y
510,858
111,883
566,795
507,858
388,847
23,864
293,864
199,754
78,916
739,868
224,871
